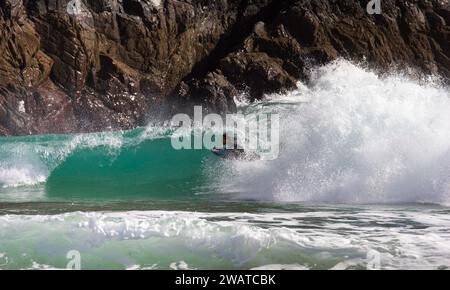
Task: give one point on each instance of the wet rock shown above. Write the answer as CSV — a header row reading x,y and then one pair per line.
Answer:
x,y
89,65
214,92
258,72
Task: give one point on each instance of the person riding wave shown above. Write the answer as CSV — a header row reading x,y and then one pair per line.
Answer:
x,y
227,152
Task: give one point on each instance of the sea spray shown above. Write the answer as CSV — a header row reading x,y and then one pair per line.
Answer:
x,y
353,137
128,200
348,136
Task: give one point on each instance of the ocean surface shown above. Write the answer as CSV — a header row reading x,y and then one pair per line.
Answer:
x,y
362,181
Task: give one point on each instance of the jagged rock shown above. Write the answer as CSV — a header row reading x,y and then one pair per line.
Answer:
x,y
13,9
214,92
256,70
24,111
88,65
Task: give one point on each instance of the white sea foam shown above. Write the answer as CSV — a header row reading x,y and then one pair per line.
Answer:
x,y
354,137
181,265
281,267
20,176
322,238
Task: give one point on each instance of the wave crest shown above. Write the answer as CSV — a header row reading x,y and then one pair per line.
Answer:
x,y
359,138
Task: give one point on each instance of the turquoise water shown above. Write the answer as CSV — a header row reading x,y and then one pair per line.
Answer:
x,y
362,181
91,167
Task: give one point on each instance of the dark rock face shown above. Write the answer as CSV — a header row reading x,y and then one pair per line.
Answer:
x,y
90,65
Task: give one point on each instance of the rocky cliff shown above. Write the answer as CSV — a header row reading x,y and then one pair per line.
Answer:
x,y
88,65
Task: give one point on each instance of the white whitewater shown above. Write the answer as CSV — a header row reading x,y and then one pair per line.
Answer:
x,y
348,137
354,137
315,238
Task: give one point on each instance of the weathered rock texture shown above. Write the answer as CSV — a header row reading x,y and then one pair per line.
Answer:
x,y
88,65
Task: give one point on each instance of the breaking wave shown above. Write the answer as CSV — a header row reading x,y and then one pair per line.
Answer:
x,y
350,136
